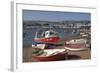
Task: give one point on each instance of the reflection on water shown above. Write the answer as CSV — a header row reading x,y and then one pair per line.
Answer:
x,y
29,34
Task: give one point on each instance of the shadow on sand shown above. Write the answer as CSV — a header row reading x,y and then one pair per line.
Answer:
x,y
73,57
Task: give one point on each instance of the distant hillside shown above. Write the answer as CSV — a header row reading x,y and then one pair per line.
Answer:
x,y
39,23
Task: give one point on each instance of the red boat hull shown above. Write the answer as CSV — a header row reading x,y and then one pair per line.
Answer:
x,y
59,56
75,45
47,40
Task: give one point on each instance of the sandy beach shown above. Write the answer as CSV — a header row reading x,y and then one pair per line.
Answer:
x,y
72,55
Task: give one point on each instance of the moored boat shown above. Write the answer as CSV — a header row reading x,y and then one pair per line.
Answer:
x,y
51,55
76,44
45,38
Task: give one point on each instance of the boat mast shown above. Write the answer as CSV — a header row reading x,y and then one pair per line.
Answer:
x,y
36,34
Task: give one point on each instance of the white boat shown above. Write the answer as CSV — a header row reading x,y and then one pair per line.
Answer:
x,y
77,41
76,44
51,55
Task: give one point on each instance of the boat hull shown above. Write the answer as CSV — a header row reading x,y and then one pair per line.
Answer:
x,y
56,57
75,47
51,40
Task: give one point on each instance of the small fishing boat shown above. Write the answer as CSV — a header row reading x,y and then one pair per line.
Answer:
x,y
76,41
45,38
76,44
49,36
50,55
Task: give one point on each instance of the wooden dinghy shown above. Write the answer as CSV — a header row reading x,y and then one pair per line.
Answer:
x,y
51,55
76,45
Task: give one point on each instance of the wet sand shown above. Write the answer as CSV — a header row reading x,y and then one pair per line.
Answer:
x,y
72,55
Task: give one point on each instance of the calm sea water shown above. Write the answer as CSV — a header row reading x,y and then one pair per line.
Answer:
x,y
29,34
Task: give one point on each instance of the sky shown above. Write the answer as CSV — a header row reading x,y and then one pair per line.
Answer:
x,y
54,15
